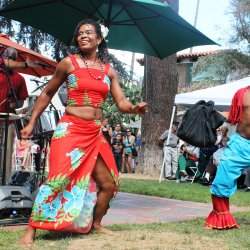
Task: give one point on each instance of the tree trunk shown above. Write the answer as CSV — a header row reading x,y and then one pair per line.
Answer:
x,y
160,88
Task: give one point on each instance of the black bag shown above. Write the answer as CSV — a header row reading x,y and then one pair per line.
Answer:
x,y
199,124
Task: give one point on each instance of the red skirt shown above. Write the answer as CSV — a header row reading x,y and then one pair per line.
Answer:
x,y
67,200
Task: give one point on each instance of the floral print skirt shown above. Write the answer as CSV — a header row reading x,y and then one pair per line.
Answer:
x,y
67,200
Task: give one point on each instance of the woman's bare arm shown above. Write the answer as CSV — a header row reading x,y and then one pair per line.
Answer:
x,y
123,104
50,90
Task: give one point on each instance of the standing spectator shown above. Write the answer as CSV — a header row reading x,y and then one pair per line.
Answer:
x,y
117,148
106,130
128,142
170,153
117,130
138,140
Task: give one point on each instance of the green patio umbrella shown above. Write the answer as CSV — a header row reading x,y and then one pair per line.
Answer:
x,y
143,26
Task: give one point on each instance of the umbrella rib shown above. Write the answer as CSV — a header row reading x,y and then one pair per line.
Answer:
x,y
97,9
172,21
124,6
108,21
80,10
135,19
120,11
137,25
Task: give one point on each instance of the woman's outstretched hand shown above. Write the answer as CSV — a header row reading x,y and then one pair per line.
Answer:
x,y
26,132
140,108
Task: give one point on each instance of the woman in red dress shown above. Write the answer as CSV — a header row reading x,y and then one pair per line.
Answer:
x,y
83,176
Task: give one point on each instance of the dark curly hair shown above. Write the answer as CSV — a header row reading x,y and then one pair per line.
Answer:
x,y
103,54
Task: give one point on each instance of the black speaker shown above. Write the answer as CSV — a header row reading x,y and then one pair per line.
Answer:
x,y
15,201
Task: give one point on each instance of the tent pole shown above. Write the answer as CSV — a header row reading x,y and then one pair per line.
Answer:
x,y
168,138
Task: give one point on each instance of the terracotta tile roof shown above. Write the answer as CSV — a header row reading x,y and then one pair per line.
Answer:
x,y
186,55
195,54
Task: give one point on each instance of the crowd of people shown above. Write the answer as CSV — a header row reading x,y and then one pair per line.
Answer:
x,y
125,143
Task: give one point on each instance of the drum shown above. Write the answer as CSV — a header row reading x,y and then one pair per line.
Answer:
x,y
11,116
46,123
63,94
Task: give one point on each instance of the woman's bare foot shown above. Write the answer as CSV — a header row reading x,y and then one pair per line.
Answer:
x,y
28,238
102,230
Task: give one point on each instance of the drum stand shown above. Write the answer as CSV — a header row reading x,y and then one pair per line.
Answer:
x,y
7,117
11,96
14,200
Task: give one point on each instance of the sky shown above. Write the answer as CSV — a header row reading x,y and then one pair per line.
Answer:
x,y
213,21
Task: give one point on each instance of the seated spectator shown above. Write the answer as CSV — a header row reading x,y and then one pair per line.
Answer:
x,y
204,158
222,132
210,170
189,156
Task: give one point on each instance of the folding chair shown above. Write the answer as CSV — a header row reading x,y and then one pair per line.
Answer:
x,y
195,171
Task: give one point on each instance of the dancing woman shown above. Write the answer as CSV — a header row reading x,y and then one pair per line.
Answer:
x,y
235,158
83,176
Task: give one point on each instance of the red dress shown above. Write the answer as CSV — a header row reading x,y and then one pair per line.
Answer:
x,y
67,200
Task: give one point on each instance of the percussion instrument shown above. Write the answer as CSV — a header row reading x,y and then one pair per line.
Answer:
x,y
11,116
46,123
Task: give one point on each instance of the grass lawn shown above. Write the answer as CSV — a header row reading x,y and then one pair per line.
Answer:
x,y
45,240
179,191
157,236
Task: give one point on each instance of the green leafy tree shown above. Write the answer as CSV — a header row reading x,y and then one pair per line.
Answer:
x,y
218,68
133,93
240,10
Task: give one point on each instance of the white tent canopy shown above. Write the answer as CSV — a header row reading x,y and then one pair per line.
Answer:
x,y
221,95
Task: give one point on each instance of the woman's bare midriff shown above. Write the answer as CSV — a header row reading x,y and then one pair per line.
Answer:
x,y
85,112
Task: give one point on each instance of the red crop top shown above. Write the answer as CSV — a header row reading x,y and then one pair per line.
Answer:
x,y
84,89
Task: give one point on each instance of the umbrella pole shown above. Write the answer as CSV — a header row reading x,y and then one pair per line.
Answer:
x,y
168,138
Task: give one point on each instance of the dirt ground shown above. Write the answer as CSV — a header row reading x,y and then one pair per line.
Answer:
x,y
138,176
145,240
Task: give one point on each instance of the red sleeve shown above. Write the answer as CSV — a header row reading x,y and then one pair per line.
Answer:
x,y
22,89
